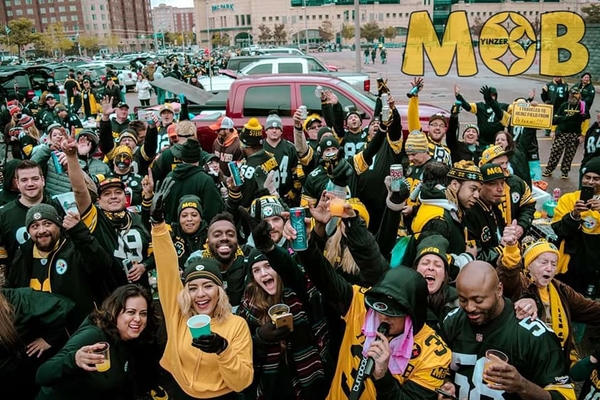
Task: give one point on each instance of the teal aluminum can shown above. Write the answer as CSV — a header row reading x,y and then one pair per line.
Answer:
x,y
297,216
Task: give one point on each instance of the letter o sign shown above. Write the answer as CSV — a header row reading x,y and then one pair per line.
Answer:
x,y
501,44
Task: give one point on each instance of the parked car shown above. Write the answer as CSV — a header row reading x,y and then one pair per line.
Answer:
x,y
255,96
283,65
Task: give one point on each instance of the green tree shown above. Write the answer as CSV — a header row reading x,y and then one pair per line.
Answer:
x,y
326,31
477,26
592,13
89,43
347,31
279,34
265,34
219,39
55,42
171,37
389,33
22,33
370,31
112,41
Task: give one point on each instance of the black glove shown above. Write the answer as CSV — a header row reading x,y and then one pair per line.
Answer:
x,y
342,173
213,343
261,229
455,110
157,209
270,333
487,94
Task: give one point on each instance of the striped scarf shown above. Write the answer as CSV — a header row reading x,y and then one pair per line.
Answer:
x,y
304,351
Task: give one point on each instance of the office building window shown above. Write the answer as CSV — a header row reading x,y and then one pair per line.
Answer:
x,y
92,7
61,9
276,18
264,19
30,11
19,12
17,2
28,1
9,13
320,17
270,19
103,17
63,18
52,19
248,19
244,20
314,17
237,20
93,17
104,26
387,15
74,18
405,15
95,27
101,7
72,8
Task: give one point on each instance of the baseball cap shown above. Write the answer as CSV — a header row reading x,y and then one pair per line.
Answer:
x,y
491,172
222,123
385,304
122,104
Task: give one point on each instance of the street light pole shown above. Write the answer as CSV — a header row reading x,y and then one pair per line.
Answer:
x,y
357,34
207,27
305,26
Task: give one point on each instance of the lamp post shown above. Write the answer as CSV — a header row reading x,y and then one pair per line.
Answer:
x,y
207,27
305,26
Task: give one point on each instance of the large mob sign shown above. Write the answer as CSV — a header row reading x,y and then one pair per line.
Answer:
x,y
503,33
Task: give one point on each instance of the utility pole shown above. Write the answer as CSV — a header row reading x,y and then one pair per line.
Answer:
x,y
305,26
357,34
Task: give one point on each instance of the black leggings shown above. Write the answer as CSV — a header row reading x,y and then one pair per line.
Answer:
x,y
145,102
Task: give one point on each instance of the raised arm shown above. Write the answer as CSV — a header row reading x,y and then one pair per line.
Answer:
x,y
76,176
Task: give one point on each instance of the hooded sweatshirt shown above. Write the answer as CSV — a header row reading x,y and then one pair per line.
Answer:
x,y
7,195
439,214
191,179
431,357
186,244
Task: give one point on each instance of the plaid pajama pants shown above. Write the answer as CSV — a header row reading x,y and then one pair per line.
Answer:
x,y
564,143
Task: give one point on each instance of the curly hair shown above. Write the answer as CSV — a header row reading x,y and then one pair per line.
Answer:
x,y
106,317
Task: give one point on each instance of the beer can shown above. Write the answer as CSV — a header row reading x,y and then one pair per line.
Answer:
x,y
297,215
234,172
318,91
303,111
396,173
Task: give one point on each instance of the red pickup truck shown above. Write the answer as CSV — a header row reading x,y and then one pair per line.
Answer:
x,y
255,96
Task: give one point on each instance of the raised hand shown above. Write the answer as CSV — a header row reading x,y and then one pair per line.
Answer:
x,y
148,185
487,93
456,90
261,229
157,210
107,107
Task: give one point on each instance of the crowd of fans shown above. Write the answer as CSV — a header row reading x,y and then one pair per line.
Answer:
x,y
406,262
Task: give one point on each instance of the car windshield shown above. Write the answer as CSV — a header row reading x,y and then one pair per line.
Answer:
x,y
366,97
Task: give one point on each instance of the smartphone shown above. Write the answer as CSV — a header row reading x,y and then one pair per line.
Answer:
x,y
331,161
127,265
587,193
446,394
286,319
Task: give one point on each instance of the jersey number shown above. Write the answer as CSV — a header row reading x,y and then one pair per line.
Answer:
x,y
592,144
130,246
283,168
479,387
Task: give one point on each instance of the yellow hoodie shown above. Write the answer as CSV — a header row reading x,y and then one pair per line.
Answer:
x,y
199,374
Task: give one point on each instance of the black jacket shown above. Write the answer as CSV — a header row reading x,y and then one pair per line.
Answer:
x,y
192,179
73,269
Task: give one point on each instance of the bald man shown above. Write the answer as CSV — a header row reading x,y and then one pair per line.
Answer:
x,y
485,320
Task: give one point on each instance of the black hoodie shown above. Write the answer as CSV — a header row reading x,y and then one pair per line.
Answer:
x,y
430,357
191,179
7,195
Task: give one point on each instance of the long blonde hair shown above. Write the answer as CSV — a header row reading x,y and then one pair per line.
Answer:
x,y
221,312
335,254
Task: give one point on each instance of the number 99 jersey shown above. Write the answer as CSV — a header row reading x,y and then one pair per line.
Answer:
x,y
531,346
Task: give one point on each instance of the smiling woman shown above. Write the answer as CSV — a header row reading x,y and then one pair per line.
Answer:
x,y
100,358
213,361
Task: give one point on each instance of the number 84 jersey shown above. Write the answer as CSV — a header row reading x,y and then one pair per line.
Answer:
x,y
531,346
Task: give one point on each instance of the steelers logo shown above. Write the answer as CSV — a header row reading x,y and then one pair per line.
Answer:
x,y
502,44
380,306
37,216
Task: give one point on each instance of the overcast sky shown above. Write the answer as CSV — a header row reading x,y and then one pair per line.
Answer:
x,y
174,3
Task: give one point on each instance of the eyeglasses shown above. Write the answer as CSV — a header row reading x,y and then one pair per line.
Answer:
x,y
312,128
437,125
